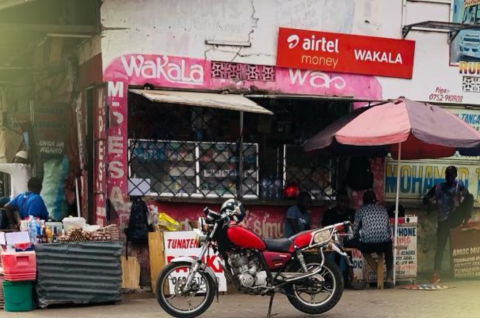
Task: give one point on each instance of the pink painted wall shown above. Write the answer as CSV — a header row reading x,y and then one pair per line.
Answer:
x,y
187,73
265,220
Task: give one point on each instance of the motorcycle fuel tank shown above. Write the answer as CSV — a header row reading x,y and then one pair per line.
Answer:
x,y
245,238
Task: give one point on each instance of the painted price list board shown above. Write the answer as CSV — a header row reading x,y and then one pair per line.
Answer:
x,y
466,252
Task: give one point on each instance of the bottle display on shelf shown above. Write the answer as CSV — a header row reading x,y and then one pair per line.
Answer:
x,y
32,229
218,172
265,188
278,188
195,168
55,235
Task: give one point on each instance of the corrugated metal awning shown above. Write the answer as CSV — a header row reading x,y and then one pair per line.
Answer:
x,y
220,101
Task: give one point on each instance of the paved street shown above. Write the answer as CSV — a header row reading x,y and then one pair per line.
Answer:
x,y
460,302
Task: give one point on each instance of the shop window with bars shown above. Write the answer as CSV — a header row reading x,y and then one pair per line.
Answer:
x,y
194,152
200,157
192,169
319,175
294,123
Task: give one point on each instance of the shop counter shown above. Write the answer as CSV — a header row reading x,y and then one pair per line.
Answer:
x,y
78,273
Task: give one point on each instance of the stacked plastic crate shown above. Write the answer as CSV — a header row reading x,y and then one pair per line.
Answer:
x,y
19,271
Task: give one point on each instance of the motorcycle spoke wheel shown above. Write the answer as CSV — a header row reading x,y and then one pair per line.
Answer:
x,y
180,299
321,293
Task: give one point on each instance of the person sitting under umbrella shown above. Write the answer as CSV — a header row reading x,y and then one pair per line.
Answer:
x,y
340,213
298,216
373,228
455,207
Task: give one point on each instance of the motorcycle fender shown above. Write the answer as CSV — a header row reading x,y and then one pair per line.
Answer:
x,y
203,268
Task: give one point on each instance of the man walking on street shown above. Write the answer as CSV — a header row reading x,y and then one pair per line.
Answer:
x,y
455,207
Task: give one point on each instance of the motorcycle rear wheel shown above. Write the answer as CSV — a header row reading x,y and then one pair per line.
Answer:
x,y
335,280
163,289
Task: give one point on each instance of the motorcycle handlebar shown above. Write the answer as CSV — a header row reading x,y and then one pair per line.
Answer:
x,y
211,215
215,216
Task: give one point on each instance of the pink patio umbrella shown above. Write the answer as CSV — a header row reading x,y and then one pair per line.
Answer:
x,y
404,128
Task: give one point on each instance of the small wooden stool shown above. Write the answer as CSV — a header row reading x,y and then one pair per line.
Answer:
x,y
380,262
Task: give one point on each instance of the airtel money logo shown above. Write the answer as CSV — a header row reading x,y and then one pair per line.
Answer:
x,y
293,41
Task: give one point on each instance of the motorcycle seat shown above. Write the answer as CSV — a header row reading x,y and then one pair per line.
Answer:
x,y
279,245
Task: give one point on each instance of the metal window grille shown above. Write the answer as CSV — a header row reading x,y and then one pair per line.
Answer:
x,y
192,169
189,152
319,175
179,151
296,122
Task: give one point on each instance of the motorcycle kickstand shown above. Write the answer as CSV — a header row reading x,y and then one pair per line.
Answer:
x,y
269,314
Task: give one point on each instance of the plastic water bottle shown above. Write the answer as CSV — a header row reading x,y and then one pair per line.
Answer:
x,y
32,229
278,188
271,192
266,185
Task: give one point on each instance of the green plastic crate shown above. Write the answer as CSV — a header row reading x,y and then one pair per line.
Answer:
x,y
18,296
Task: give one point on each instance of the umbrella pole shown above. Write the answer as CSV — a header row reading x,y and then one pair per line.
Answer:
x,y
397,202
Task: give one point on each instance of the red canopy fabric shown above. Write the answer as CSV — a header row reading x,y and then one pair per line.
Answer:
x,y
425,131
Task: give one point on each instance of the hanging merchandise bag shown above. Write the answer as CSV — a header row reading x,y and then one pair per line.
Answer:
x,y
138,224
168,223
360,175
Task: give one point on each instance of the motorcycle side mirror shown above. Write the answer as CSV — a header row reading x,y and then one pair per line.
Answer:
x,y
236,211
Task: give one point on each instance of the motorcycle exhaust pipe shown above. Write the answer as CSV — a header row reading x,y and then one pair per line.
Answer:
x,y
292,277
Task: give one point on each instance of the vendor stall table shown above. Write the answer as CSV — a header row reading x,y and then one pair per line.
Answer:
x,y
79,273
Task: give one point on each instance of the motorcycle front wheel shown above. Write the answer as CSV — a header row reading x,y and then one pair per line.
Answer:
x,y
314,296
178,301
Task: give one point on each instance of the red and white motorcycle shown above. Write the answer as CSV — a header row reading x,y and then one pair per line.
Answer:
x,y
312,283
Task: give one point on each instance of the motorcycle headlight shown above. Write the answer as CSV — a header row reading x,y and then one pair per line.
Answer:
x,y
322,236
200,237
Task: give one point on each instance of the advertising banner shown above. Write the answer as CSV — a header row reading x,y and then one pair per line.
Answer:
x,y
419,176
466,45
466,252
50,130
406,266
178,244
465,49
345,53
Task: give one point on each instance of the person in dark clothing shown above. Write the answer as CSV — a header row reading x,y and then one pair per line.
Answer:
x,y
27,203
338,214
373,227
391,211
341,212
455,207
298,216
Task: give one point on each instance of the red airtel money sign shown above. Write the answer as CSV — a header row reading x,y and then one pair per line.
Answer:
x,y
345,53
